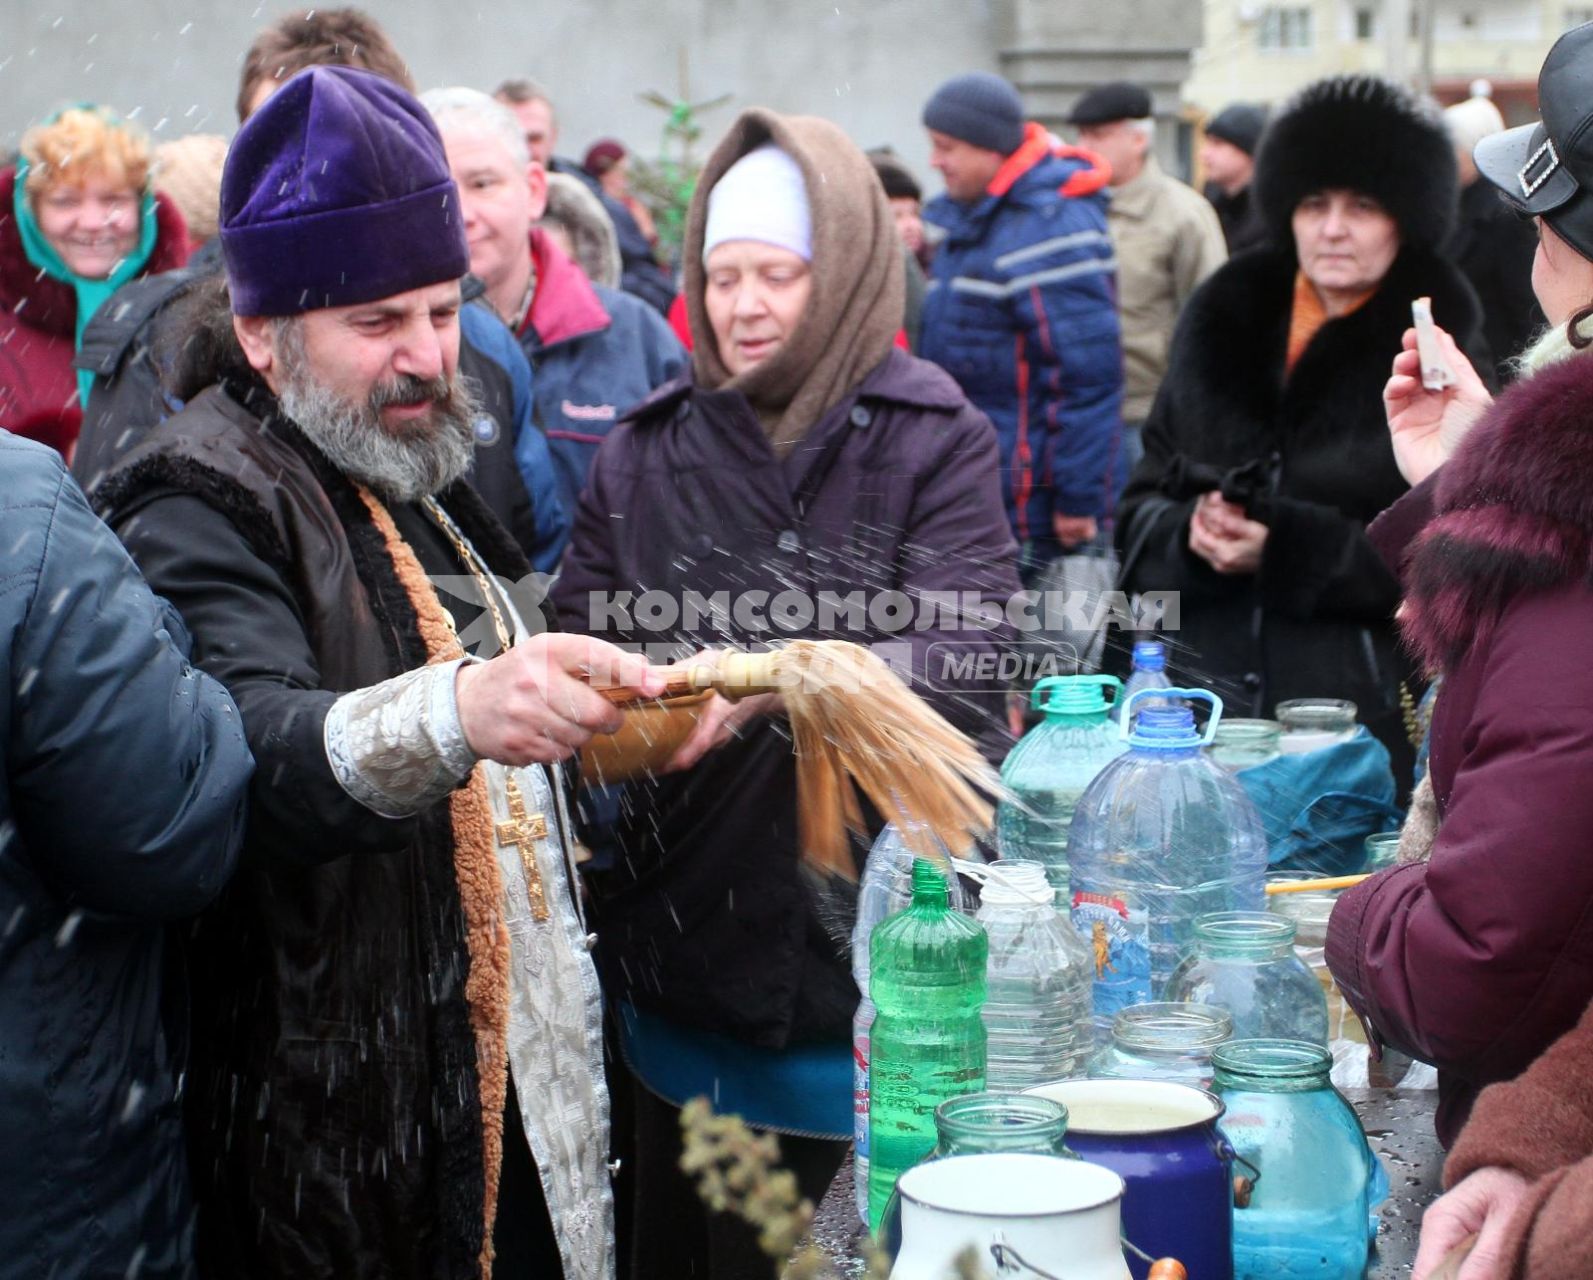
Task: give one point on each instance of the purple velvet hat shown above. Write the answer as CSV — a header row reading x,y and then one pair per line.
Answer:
x,y
335,192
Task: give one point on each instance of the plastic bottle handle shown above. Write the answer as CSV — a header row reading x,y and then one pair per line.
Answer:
x,y
1126,725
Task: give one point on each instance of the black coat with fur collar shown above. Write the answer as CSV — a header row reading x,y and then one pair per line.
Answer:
x,y
334,1107
1308,456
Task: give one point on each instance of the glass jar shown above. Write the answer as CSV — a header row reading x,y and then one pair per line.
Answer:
x,y
985,1123
1243,744
1382,850
1306,1212
1171,1043
1310,911
1312,723
1244,962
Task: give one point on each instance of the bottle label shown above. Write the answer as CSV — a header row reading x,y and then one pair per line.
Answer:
x,y
1118,937
860,1095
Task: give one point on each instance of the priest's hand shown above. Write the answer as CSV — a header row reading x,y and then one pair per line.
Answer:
x,y
536,704
1426,427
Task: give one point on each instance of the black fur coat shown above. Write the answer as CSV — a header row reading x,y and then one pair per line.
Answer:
x,y
1308,456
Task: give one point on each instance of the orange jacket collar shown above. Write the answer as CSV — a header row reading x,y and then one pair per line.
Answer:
x,y
1036,146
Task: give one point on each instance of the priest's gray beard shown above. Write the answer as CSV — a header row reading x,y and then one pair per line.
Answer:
x,y
407,468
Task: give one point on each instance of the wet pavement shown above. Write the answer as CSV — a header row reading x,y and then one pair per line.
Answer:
x,y
1398,1124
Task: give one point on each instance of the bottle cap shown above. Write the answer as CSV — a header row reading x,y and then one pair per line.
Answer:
x,y
1150,655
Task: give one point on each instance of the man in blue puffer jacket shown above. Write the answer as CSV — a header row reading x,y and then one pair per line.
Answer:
x,y
123,772
1022,308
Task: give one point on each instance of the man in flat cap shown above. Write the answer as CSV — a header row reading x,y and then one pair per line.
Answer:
x,y
397,1058
1167,236
1020,309
1228,159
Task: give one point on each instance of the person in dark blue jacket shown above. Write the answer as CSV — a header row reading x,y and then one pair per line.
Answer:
x,y
123,773
1022,308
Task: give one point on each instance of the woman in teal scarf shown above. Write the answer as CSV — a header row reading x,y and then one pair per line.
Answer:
x,y
79,217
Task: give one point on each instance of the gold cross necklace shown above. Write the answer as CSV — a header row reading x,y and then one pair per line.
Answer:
x,y
523,827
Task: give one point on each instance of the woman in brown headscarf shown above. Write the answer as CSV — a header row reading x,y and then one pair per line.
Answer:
x,y
807,480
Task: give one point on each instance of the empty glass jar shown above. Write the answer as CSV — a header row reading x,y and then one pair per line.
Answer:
x,y
1171,1043
1243,744
1312,723
1382,850
1244,962
985,1123
1305,1212
1310,912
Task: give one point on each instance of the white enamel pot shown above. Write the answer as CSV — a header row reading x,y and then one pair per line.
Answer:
x,y
1026,1216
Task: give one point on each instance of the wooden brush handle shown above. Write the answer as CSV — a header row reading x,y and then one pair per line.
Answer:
x,y
1449,1268
736,675
1317,886
678,684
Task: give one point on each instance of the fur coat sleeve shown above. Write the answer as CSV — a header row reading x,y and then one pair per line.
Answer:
x,y
1541,1126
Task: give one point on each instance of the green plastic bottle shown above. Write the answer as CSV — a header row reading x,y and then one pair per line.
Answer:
x,y
927,979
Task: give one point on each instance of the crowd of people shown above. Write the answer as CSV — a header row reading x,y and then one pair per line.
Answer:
x,y
327,951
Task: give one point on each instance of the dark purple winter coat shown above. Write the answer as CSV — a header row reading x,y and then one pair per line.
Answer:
x,y
1481,958
706,917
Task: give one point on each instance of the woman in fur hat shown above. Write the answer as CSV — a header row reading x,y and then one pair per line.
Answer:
x,y
1265,452
1477,953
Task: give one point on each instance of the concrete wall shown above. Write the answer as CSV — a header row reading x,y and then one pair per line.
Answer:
x,y
867,64
1055,52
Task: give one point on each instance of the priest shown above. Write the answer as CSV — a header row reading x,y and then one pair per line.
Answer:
x,y
397,1063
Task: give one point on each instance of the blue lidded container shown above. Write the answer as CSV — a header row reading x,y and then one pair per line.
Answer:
x,y
1162,1139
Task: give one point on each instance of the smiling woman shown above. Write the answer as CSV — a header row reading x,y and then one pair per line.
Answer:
x,y
84,220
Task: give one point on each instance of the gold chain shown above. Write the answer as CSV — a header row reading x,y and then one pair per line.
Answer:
x,y
522,828
483,579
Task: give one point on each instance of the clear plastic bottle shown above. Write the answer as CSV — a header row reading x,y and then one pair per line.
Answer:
x,y
1148,672
1037,997
886,888
1169,1043
927,967
1049,769
1162,836
1244,962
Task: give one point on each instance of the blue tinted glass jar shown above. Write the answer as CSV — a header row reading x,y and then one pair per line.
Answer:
x,y
1306,1213
1244,962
